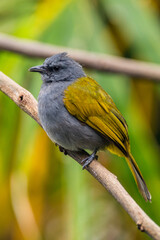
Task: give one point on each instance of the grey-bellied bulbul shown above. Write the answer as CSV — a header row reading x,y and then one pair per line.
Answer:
x,y
77,113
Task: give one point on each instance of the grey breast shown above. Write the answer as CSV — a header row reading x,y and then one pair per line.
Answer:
x,y
60,125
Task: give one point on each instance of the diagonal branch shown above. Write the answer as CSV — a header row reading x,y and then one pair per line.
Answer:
x,y
101,62
27,103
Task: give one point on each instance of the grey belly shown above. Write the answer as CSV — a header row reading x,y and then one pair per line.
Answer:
x,y
67,131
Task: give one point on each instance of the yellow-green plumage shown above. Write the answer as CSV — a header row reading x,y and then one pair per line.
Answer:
x,y
89,103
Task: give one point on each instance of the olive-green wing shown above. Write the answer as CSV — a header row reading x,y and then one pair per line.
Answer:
x,y
88,102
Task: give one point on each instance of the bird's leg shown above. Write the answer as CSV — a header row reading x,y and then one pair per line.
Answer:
x,y
89,159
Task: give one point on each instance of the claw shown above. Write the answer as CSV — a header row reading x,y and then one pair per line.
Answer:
x,y
89,159
61,149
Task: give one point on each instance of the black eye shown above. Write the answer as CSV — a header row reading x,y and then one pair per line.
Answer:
x,y
53,68
56,68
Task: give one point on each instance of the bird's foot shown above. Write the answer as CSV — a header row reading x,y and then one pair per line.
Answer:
x,y
61,149
89,159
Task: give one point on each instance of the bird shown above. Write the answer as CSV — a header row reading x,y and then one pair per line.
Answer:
x,y
78,114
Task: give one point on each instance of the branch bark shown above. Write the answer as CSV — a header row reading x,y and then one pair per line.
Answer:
x,y
100,62
28,103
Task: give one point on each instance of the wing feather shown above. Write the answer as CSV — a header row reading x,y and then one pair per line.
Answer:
x,y
89,103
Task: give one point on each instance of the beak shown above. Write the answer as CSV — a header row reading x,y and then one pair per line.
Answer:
x,y
39,69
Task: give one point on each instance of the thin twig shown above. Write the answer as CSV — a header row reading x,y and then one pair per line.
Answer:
x,y
28,103
101,62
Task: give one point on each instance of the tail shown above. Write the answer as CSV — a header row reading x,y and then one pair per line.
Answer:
x,y
138,178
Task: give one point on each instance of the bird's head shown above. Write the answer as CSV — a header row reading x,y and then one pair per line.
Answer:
x,y
59,67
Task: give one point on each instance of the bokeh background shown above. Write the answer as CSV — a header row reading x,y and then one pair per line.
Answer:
x,y
44,194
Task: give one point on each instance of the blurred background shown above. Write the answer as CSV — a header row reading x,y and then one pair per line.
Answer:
x,y
44,194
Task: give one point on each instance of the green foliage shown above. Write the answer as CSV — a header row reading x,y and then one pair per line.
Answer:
x,y
44,194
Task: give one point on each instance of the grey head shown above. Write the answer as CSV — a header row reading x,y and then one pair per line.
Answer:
x,y
59,67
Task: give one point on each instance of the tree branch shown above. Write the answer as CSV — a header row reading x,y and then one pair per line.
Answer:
x,y
27,103
101,62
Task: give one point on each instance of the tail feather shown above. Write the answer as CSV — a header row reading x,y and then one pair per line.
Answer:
x,y
138,178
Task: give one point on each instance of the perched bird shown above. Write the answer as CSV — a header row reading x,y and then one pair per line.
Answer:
x,y
77,113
